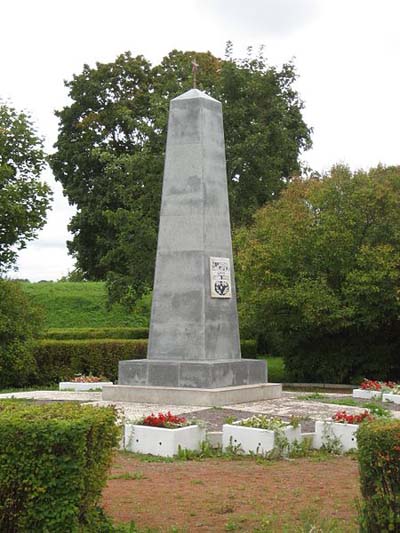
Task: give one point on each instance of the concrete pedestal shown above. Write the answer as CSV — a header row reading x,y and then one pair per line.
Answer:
x,y
192,374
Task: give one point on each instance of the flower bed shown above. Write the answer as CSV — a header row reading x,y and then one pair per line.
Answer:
x,y
259,435
339,432
371,388
162,434
84,383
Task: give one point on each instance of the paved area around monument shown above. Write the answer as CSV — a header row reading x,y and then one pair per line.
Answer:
x,y
290,404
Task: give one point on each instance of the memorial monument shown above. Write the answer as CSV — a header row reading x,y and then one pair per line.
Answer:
x,y
194,346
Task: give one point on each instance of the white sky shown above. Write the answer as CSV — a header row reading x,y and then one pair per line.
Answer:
x,y
346,53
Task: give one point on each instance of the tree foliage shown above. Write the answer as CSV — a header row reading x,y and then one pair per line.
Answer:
x,y
20,323
110,151
319,275
23,198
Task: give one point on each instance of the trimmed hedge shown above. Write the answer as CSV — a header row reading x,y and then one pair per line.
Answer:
x,y
61,360
54,460
96,333
379,459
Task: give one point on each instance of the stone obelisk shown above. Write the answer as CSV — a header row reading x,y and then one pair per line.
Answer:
x,y
194,335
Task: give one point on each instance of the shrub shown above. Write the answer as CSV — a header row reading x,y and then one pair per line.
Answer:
x,y
19,324
379,459
345,357
53,464
318,276
248,348
96,333
61,360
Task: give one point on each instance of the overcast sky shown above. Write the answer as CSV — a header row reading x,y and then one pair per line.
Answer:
x,y
346,53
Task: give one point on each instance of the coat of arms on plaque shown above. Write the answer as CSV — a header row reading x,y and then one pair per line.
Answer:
x,y
220,274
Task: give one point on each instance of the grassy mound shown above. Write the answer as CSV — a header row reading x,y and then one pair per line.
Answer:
x,y
80,304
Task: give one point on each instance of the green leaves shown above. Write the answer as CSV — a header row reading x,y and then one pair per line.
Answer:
x,y
53,464
110,152
24,200
20,323
319,273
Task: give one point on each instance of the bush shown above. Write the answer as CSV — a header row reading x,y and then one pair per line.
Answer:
x,y
379,459
97,333
248,348
346,357
53,464
318,276
19,324
61,360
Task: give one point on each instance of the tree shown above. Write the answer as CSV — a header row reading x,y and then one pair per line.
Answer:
x,y
110,151
23,198
20,323
319,275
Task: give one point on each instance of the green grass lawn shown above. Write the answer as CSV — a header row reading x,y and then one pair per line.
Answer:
x,y
276,369
80,304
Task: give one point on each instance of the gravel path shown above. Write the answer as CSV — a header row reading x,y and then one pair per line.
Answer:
x,y
290,404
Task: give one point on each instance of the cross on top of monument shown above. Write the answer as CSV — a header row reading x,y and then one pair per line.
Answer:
x,y
195,67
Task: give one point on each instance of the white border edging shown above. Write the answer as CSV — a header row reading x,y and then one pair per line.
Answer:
x,y
390,397
254,440
78,386
327,430
162,441
365,394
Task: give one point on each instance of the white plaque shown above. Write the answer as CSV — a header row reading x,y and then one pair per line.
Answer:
x,y
220,275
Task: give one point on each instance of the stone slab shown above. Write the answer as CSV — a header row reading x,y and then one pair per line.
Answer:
x,y
192,396
192,374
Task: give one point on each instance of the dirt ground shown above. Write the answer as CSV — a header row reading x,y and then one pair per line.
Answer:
x,y
234,495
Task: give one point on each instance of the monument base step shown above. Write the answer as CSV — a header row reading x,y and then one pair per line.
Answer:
x,y
199,374
192,396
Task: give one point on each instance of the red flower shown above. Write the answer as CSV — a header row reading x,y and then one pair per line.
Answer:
x,y
371,384
343,417
167,420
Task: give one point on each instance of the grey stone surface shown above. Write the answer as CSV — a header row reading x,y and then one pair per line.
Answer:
x,y
194,338
186,323
193,374
193,396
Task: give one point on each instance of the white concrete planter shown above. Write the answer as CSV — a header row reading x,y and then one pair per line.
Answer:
x,y
366,394
162,441
78,387
346,433
254,440
390,397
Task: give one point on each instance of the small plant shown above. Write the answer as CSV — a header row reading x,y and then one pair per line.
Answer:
x,y
313,396
263,422
127,475
300,448
164,420
377,410
331,445
81,378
